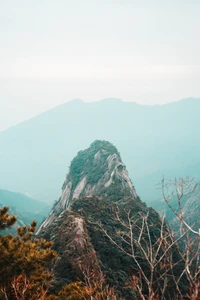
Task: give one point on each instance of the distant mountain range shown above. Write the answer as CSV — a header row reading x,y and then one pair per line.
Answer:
x,y
25,208
153,141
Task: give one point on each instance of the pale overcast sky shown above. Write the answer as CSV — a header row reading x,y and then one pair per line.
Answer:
x,y
52,51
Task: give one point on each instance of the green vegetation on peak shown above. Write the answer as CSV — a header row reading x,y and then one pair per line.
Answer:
x,y
85,163
103,145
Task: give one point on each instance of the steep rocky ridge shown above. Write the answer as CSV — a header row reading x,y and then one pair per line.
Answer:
x,y
97,189
97,171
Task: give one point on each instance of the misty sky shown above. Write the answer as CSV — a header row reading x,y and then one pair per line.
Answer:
x,y
52,51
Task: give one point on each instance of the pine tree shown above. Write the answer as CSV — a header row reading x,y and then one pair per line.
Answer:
x,y
25,262
6,220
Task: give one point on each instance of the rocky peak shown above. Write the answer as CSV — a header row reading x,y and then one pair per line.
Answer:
x,y
98,171
98,198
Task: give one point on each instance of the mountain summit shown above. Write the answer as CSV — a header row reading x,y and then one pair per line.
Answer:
x,y
97,201
97,171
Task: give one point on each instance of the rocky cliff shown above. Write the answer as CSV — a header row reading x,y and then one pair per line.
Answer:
x,y
98,197
97,171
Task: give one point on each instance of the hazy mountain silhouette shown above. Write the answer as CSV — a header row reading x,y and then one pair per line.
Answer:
x,y
159,139
25,208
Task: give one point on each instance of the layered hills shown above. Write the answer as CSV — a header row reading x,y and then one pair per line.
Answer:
x,y
25,208
154,141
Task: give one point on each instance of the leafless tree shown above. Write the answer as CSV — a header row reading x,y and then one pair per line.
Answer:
x,y
93,283
190,249
153,256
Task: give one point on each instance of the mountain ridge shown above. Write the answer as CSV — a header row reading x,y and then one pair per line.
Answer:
x,y
98,171
103,100
25,208
34,155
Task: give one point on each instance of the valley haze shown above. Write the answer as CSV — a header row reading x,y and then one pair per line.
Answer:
x,y
154,140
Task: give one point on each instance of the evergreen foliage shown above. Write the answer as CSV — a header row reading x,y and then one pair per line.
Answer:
x,y
99,213
6,220
85,161
25,261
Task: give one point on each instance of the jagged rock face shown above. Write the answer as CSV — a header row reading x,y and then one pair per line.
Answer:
x,y
97,191
98,171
